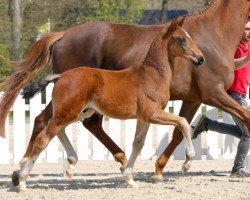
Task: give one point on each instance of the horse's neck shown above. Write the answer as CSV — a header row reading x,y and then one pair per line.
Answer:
x,y
226,17
158,58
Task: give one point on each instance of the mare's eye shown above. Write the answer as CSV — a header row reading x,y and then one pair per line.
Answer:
x,y
182,40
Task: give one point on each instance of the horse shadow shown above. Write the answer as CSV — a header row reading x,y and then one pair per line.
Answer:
x,y
89,181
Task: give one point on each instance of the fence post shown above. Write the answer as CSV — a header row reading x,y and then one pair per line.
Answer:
x,y
82,142
52,149
19,129
212,137
130,127
179,153
114,133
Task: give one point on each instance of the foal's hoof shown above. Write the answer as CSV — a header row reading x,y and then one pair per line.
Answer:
x,y
122,169
15,178
157,179
185,167
69,174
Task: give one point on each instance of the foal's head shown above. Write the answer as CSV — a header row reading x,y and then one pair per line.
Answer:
x,y
180,44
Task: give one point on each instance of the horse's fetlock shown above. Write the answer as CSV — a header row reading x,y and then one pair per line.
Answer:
x,y
72,160
121,157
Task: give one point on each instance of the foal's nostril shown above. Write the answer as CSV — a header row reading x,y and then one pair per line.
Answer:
x,y
201,60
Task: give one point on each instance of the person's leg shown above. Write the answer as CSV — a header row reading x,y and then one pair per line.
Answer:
x,y
239,169
205,124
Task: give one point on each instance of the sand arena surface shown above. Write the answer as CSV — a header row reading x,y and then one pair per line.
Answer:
x,y
103,180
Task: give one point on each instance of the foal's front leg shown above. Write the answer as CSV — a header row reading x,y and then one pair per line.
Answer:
x,y
164,118
138,143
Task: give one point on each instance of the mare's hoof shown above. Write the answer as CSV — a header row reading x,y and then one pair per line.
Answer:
x,y
15,178
185,167
157,179
22,186
132,184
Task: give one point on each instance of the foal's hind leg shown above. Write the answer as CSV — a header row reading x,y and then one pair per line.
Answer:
x,y
94,125
39,124
40,143
71,154
164,118
140,135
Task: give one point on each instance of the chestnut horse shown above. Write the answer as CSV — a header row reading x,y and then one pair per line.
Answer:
x,y
216,31
147,91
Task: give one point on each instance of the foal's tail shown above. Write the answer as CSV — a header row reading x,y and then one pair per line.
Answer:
x,y
23,71
34,87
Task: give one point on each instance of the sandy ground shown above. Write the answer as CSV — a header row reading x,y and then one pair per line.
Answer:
x,y
102,180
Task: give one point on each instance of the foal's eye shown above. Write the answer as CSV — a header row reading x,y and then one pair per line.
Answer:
x,y
182,40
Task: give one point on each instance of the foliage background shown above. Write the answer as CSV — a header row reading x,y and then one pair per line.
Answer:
x,y
68,13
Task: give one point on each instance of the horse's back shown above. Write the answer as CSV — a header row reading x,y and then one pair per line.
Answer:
x,y
103,45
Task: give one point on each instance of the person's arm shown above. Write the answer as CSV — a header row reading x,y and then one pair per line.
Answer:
x,y
241,62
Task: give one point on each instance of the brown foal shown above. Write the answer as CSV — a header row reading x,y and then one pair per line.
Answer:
x,y
216,30
146,89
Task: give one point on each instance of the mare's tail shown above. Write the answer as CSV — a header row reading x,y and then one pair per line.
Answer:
x,y
23,71
34,87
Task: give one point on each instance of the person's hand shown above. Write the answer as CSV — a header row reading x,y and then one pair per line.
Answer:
x,y
247,58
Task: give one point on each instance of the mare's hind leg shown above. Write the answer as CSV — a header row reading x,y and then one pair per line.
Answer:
x,y
164,118
138,143
94,125
71,154
188,110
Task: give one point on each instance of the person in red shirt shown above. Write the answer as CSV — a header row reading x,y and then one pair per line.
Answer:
x,y
237,91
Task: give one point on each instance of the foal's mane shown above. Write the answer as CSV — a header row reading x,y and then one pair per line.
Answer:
x,y
157,43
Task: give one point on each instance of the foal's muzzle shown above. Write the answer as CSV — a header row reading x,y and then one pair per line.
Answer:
x,y
199,61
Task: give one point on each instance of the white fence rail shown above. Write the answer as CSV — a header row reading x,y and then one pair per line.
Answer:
x,y
19,127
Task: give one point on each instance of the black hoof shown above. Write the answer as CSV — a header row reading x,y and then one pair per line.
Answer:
x,y
15,178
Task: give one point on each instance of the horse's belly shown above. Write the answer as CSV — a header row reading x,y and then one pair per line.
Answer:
x,y
115,110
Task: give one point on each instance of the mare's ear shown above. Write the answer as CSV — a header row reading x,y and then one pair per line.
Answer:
x,y
175,22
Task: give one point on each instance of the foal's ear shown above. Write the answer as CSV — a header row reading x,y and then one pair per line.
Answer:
x,y
175,22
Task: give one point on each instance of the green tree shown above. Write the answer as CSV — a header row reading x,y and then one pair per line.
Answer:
x,y
4,37
123,11
62,14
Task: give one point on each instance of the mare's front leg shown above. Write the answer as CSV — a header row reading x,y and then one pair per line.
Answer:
x,y
138,143
220,99
94,125
183,130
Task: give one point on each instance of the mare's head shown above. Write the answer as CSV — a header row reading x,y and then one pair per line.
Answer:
x,y
180,44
